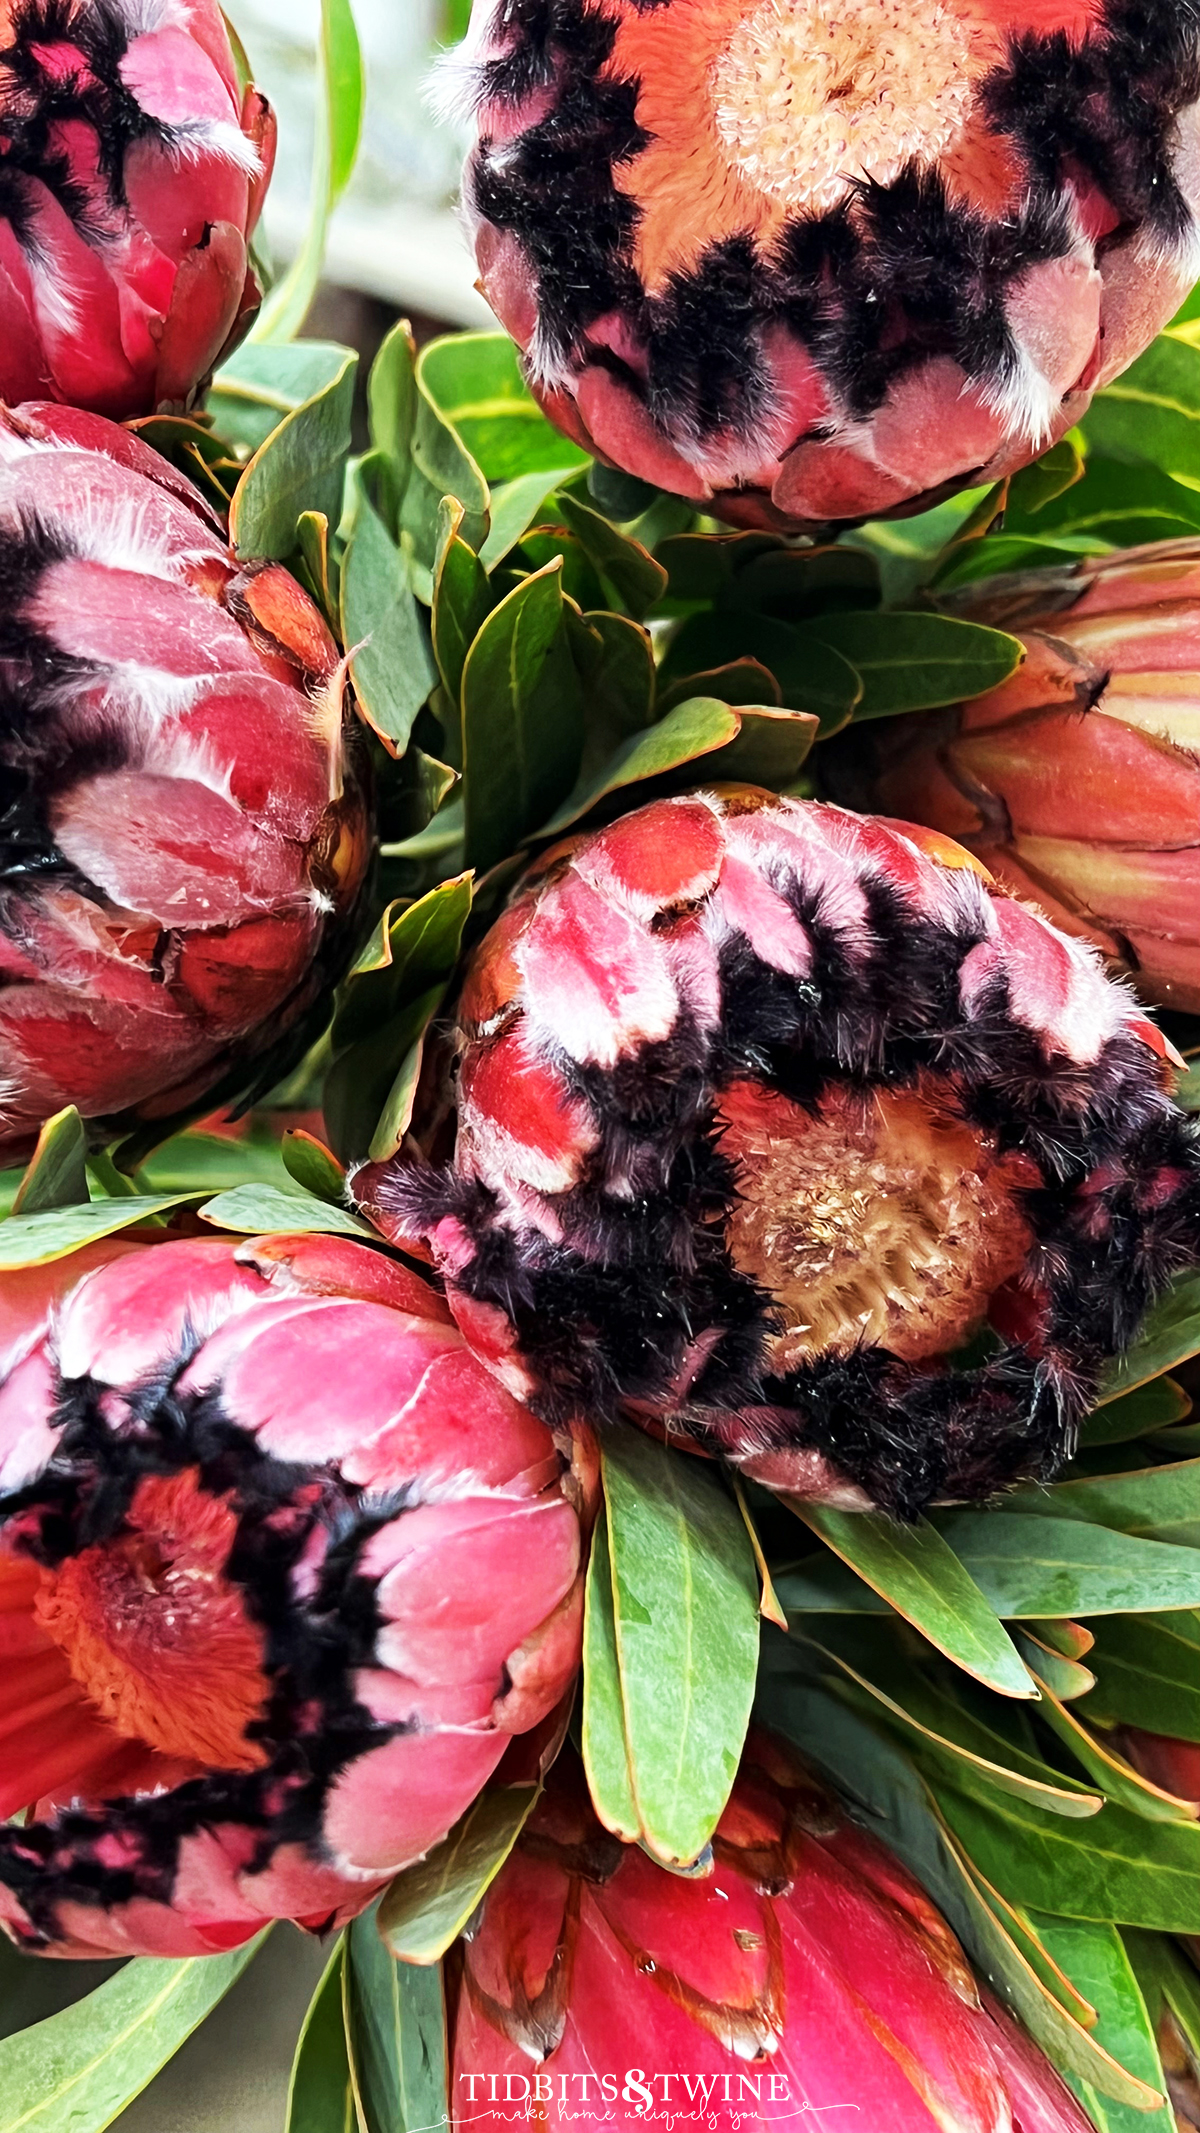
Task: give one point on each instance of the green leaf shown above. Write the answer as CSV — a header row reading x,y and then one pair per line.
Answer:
x,y
1065,1677
812,676
984,559
1155,1503
742,681
264,381
693,730
614,657
914,662
32,1240
1118,1869
922,1578
462,600
516,506
1160,1404
475,380
638,580
426,1907
685,1608
407,1036
1030,1565
1152,411
77,2070
522,719
770,749
392,665
394,988
1095,1960
339,128
260,1210
870,1769
320,2093
1047,481
300,467
1117,1778
974,1746
1170,1335
211,1162
412,946
312,1165
440,466
1148,1673
396,2025
1115,503
605,1747
56,1174
392,399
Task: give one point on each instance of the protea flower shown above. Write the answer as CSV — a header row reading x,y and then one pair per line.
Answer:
x,y
815,260
183,830
809,1973
1077,781
132,171
766,1112
282,1570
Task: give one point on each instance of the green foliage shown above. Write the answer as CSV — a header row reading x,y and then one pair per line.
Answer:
x,y
671,1648
427,1906
299,468
79,2068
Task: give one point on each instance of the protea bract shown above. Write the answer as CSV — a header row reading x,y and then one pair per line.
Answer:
x,y
767,1113
1077,781
815,260
133,165
282,1571
184,831
807,1975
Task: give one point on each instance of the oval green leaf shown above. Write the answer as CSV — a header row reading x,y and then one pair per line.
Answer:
x,y
914,1569
685,1609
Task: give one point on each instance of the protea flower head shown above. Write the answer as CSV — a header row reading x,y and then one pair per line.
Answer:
x,y
817,260
132,171
1076,781
808,1973
282,1571
184,831
768,1110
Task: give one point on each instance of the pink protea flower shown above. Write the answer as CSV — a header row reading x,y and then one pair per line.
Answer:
x,y
767,1110
282,1571
184,830
808,1974
132,171
815,260
1077,781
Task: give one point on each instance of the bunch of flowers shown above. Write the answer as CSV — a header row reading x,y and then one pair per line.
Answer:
x,y
600,1266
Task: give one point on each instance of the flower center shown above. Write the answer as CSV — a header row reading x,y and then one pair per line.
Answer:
x,y
880,1221
812,95
156,1635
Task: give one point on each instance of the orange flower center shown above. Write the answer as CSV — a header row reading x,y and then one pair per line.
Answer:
x,y
883,1220
813,95
156,1635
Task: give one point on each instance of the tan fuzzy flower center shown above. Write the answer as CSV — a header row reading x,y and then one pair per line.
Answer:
x,y
881,1220
813,95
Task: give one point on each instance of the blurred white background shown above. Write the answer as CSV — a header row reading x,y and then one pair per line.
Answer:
x,y
395,235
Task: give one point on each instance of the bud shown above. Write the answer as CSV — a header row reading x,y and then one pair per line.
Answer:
x,y
134,171
1076,781
804,261
809,1974
766,1113
282,1570
185,831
